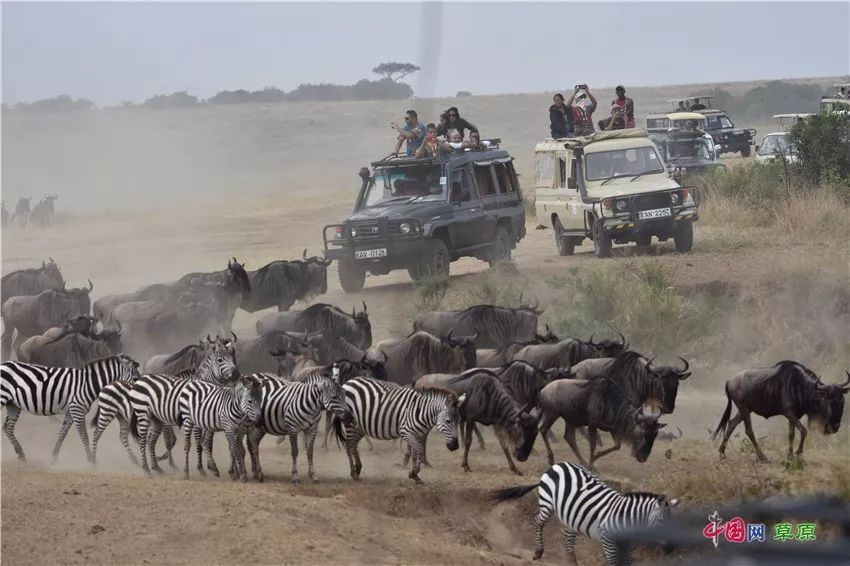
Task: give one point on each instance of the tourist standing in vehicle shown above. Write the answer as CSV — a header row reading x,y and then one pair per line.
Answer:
x,y
617,121
413,132
560,118
582,104
451,120
432,147
627,104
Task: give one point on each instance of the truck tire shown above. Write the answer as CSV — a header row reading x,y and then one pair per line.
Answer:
x,y
435,262
352,276
500,249
644,244
601,241
745,151
565,246
683,237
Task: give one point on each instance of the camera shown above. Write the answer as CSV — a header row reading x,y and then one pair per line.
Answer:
x,y
582,86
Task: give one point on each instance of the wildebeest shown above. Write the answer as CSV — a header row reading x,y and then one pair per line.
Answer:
x,y
788,388
103,307
324,318
598,404
254,354
496,357
421,353
281,283
569,352
42,213
185,359
74,345
27,316
22,211
488,402
496,326
4,214
31,281
235,288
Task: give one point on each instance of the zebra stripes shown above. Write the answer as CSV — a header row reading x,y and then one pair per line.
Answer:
x,y
586,505
45,390
288,408
386,410
207,407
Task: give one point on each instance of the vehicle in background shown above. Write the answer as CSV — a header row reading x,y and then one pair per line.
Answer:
x,y
718,124
839,101
778,144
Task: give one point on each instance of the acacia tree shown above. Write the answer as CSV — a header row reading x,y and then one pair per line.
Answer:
x,y
394,70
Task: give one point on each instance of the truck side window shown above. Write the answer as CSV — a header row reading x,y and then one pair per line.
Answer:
x,y
573,172
460,187
545,171
505,178
484,180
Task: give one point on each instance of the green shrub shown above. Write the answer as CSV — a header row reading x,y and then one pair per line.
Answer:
x,y
823,145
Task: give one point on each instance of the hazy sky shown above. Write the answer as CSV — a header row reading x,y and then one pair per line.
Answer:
x,y
109,52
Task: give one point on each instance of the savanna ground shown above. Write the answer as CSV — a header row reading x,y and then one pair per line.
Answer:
x,y
766,281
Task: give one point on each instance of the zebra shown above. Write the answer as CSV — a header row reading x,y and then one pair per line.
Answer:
x,y
46,391
386,410
154,399
290,407
114,402
207,407
586,505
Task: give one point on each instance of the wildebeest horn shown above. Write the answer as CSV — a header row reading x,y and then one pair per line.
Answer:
x,y
649,364
474,336
325,261
364,307
449,335
520,298
91,286
50,258
304,254
353,312
622,338
681,434
846,383
118,323
386,357
687,365
234,336
590,340
547,328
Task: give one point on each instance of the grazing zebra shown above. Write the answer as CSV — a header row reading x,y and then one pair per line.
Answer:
x,y
206,407
114,402
45,391
585,505
155,399
291,407
385,410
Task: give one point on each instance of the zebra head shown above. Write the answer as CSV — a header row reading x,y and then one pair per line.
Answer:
x,y
448,419
219,362
249,395
333,399
128,368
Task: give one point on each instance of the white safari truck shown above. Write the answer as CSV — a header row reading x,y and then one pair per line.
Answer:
x,y
611,187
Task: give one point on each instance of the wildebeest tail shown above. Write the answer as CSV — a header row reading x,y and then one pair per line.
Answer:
x,y
511,493
724,420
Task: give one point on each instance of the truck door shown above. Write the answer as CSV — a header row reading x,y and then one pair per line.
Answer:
x,y
467,209
573,219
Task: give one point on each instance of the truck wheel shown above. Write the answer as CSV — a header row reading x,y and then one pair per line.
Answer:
x,y
435,262
352,276
500,249
565,246
644,244
601,240
745,151
683,237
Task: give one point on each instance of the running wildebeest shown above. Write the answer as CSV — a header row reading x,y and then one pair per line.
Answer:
x,y
281,283
26,316
789,389
185,359
569,352
42,213
324,318
496,326
31,281
598,404
235,288
497,357
22,211
488,402
421,353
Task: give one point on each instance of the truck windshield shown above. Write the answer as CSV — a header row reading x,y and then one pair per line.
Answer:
x,y
717,122
772,144
622,163
404,184
694,148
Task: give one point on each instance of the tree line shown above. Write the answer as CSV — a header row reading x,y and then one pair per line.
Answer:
x,y
388,87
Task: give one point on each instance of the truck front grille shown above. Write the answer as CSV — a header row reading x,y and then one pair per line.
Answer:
x,y
366,230
653,201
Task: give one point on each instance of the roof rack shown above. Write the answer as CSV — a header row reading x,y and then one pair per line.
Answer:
x,y
404,159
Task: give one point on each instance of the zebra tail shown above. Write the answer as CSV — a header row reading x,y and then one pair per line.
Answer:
x,y
511,493
724,420
134,426
338,430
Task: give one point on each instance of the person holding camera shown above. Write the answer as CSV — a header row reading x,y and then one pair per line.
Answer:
x,y
617,121
413,132
432,147
582,104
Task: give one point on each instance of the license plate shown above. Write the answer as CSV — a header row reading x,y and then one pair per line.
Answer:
x,y
369,254
654,213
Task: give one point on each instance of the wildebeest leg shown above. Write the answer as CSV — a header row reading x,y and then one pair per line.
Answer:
x,y
570,545
501,435
478,436
543,513
730,427
16,346
748,426
12,414
570,437
598,455
794,422
467,441
63,432
548,421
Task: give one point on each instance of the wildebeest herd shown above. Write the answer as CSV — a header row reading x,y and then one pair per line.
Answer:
x,y
456,371
41,215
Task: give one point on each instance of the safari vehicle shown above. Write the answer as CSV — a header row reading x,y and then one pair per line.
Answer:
x,y
836,102
422,214
682,141
664,122
778,143
611,187
718,124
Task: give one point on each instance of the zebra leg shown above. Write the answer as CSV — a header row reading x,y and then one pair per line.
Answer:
x,y
123,436
12,415
501,436
170,442
352,437
425,461
234,444
142,426
293,449
328,428
467,441
615,553
570,546
187,446
153,435
570,437
255,435
100,426
200,445
539,522
545,426
63,432
478,436
208,447
730,427
79,416
416,449
309,441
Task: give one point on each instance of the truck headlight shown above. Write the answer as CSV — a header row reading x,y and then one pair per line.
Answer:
x,y
353,232
406,228
620,205
674,198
